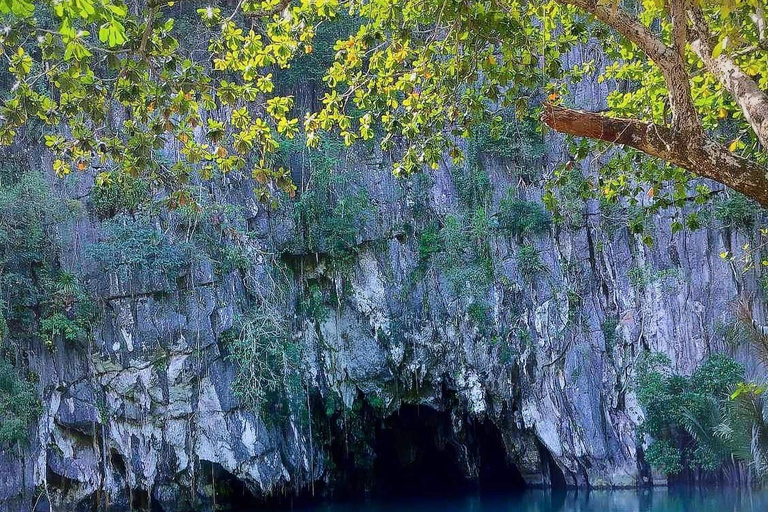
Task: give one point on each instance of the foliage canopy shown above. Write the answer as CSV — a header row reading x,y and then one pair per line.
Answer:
x,y
689,80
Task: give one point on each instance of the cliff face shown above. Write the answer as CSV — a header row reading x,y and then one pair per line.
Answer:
x,y
409,320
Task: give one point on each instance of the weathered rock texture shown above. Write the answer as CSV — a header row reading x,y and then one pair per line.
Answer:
x,y
145,413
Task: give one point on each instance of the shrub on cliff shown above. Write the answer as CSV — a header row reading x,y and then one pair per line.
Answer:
x,y
19,405
682,414
522,218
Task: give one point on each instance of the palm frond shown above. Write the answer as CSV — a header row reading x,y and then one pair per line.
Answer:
x,y
756,334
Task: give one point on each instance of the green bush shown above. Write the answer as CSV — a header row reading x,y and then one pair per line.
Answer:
x,y
465,256
641,277
717,376
210,230
19,405
429,242
736,210
332,212
133,244
473,186
610,335
454,239
123,196
479,314
682,413
68,312
529,262
522,218
566,198
59,325
30,216
313,304
268,363
664,457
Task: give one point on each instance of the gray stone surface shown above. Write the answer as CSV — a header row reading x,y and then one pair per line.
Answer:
x,y
148,404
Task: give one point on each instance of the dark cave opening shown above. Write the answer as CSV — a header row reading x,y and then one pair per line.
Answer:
x,y
496,472
223,490
417,453
411,453
556,476
414,454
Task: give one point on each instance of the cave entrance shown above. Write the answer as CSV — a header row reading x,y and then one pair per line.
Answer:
x,y
496,473
220,489
416,453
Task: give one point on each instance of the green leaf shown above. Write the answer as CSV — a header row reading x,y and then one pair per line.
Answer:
x,y
717,50
21,8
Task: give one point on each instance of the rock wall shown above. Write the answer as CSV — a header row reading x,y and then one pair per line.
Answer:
x,y
144,412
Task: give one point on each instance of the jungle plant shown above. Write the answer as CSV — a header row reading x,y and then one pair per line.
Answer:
x,y
69,312
29,246
522,218
642,276
566,196
529,262
268,363
465,255
744,427
736,211
611,337
429,242
130,244
19,405
123,194
683,414
331,213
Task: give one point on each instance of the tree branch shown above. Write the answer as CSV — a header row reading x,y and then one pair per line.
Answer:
x,y
702,157
627,26
280,7
147,31
744,90
669,60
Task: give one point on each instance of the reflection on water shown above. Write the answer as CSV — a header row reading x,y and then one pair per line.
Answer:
x,y
646,500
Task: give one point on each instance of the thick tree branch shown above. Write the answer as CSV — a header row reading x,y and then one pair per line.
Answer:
x,y
700,156
744,90
669,60
627,26
679,27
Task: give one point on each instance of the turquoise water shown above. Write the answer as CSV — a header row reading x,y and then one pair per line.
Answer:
x,y
655,500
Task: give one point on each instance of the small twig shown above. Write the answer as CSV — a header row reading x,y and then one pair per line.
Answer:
x,y
147,31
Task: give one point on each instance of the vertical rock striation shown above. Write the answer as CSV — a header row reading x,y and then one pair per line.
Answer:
x,y
528,335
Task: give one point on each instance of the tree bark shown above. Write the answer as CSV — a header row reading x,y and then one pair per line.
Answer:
x,y
668,59
699,155
752,101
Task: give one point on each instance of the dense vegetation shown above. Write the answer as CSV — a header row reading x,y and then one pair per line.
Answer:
x,y
38,299
690,87
702,422
115,88
19,405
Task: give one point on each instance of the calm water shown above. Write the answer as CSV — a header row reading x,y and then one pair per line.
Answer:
x,y
656,500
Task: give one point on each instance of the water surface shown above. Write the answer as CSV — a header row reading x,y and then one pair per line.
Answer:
x,y
647,500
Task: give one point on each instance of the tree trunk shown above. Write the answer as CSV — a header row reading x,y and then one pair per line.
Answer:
x,y
699,155
752,101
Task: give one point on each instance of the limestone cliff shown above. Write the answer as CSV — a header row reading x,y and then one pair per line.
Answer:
x,y
409,310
